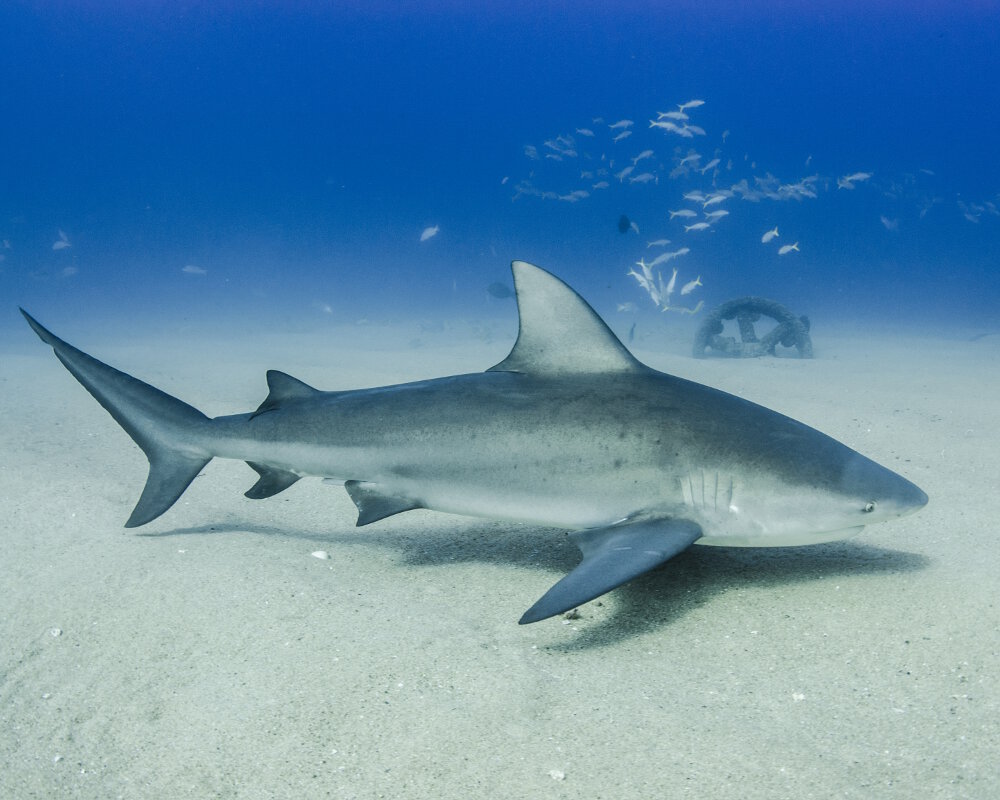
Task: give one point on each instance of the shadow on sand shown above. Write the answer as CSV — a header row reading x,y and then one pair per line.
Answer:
x,y
651,601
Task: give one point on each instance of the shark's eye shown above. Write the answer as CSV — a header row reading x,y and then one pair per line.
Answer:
x,y
869,506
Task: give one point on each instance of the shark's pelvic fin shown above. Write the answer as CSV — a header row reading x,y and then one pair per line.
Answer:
x,y
559,333
611,557
166,428
373,505
271,481
282,388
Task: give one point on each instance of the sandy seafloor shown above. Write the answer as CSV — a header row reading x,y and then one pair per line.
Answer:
x,y
209,654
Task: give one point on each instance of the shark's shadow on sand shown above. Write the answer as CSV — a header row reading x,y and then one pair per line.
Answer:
x,y
651,601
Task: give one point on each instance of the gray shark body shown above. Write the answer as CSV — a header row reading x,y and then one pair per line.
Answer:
x,y
569,431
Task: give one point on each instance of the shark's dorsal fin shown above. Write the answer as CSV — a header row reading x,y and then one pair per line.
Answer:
x,y
282,388
559,332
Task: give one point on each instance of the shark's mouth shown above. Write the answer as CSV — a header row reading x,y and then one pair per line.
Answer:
x,y
790,539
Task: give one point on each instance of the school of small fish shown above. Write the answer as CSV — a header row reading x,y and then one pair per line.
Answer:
x,y
701,209
666,154
703,186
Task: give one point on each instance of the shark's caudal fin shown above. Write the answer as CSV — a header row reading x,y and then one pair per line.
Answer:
x,y
167,430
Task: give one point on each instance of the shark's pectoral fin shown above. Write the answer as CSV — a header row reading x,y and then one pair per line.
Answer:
x,y
374,505
271,481
611,557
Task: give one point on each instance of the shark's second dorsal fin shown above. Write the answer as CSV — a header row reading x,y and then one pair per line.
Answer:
x,y
282,388
559,331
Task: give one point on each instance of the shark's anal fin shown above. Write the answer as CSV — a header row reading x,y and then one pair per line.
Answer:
x,y
373,505
271,481
612,556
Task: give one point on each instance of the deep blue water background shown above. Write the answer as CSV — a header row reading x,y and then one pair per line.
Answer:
x,y
294,153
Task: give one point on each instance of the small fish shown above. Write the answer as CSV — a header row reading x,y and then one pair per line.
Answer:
x,y
645,177
499,290
697,130
698,226
62,242
193,269
670,286
585,131
695,197
622,135
664,257
627,307
692,157
625,173
634,227
646,281
771,234
600,185
678,115
683,213
665,125
714,199
890,224
690,104
713,163
429,233
848,181
644,154
660,259
658,243
690,286
713,216
621,124
787,248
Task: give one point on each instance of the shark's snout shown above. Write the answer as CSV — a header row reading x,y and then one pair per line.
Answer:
x,y
907,497
884,492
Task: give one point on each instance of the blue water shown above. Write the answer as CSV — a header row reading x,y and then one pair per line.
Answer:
x,y
289,155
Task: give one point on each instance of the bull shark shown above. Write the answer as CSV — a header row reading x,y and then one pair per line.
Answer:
x,y
569,431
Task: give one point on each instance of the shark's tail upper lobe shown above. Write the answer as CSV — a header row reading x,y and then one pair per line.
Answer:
x,y
170,432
